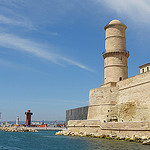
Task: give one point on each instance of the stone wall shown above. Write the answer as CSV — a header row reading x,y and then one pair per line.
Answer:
x,y
128,101
77,114
112,128
101,100
134,98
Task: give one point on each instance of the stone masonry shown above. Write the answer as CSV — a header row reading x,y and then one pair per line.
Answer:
x,y
121,105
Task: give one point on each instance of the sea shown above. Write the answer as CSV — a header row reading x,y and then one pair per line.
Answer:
x,y
47,140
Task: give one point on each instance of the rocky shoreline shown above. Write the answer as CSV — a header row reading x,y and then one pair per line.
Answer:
x,y
135,138
17,129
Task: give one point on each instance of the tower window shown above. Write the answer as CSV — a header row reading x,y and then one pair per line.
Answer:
x,y
120,78
143,70
147,68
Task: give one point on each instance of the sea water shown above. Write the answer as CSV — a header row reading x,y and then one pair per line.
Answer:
x,y
47,140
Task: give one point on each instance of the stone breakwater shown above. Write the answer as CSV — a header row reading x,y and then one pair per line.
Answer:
x,y
17,129
135,138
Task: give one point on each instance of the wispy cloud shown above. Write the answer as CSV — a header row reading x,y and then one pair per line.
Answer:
x,y
137,10
10,21
20,44
54,33
6,63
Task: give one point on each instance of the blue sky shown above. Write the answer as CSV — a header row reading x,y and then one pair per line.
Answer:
x,y
50,51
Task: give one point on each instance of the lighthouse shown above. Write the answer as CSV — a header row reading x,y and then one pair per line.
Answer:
x,y
28,118
17,120
115,54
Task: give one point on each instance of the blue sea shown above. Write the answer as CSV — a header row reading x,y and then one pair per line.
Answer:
x,y
47,140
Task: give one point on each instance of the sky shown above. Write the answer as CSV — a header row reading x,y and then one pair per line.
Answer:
x,y
51,52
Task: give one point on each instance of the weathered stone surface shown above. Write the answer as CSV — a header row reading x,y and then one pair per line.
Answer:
x,y
106,136
147,142
128,101
144,137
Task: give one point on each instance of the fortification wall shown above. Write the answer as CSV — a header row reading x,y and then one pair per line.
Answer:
x,y
121,129
134,98
77,114
100,102
128,101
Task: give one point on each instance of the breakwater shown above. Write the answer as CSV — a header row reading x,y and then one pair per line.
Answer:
x,y
49,128
129,131
17,129
31,129
135,138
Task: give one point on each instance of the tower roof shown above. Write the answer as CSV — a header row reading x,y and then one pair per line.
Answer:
x,y
145,65
115,22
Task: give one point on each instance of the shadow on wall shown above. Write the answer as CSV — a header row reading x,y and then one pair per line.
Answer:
x,y
77,114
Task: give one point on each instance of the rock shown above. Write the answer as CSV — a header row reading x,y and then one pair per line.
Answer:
x,y
127,137
80,132
58,133
147,142
122,138
144,137
91,134
97,135
102,136
135,138
85,134
81,135
113,136
72,134
76,134
117,138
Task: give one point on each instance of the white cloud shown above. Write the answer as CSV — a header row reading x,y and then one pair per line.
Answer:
x,y
137,10
14,42
10,21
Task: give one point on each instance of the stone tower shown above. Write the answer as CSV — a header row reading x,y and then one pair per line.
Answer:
x,y
115,55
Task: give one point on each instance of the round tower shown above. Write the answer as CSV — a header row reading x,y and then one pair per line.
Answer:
x,y
115,55
17,120
28,117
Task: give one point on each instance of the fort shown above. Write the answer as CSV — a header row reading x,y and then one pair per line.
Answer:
x,y
121,106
